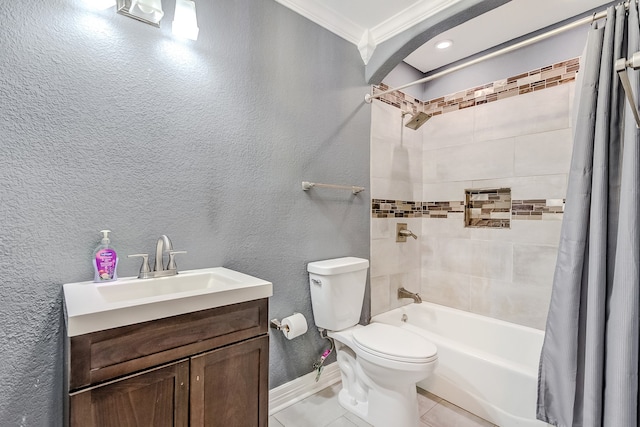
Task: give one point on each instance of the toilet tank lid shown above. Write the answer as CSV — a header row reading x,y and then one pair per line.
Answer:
x,y
337,266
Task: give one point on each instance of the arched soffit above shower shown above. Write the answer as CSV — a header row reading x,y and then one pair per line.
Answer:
x,y
391,52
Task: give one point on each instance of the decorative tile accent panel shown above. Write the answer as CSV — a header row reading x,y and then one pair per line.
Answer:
x,y
488,208
381,208
538,209
534,209
542,78
441,209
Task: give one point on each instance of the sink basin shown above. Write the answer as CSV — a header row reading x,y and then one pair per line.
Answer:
x,y
91,307
134,289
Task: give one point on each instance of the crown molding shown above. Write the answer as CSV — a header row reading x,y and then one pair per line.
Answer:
x,y
325,17
407,18
366,39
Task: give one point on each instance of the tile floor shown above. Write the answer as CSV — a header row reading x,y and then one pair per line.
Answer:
x,y
323,410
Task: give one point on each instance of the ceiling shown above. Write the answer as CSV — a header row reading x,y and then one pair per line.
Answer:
x,y
367,23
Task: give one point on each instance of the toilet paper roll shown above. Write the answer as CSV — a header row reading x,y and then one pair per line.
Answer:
x,y
294,325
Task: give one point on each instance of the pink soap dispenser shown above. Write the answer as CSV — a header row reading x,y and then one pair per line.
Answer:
x,y
105,260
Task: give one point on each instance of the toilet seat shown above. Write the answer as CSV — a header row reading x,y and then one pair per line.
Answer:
x,y
394,343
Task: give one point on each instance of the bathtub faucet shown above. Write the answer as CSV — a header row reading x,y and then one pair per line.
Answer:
x,y
403,293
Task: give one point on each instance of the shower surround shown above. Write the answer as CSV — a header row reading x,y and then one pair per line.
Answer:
x,y
513,133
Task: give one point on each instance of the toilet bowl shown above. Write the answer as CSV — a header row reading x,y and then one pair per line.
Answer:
x,y
380,364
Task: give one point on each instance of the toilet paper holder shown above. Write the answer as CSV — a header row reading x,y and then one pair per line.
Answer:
x,y
276,324
292,326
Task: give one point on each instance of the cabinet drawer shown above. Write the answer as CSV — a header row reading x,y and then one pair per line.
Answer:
x,y
104,355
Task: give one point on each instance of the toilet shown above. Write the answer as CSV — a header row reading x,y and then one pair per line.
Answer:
x,y
380,364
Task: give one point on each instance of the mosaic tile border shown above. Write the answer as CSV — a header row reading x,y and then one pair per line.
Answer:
x,y
382,208
532,81
521,209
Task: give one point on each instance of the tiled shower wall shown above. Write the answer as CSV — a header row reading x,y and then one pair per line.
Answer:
x,y
523,142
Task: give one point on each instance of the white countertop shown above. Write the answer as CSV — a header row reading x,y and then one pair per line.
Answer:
x,y
91,307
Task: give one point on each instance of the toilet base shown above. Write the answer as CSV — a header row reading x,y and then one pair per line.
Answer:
x,y
384,408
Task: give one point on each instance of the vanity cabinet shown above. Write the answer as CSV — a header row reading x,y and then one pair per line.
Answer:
x,y
207,368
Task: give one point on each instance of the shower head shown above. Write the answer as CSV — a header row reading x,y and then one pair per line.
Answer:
x,y
417,120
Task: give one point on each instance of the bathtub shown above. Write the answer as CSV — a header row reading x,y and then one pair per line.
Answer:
x,y
488,367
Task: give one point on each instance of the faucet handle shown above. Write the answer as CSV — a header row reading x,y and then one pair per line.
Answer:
x,y
144,268
171,265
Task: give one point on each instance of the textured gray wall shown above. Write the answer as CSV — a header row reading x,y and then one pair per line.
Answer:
x,y
106,122
402,74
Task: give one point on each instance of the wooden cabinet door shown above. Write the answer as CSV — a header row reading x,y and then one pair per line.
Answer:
x,y
154,398
230,385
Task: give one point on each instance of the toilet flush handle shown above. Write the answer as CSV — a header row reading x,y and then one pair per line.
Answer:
x,y
316,282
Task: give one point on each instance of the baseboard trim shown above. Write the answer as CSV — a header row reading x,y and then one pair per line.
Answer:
x,y
294,391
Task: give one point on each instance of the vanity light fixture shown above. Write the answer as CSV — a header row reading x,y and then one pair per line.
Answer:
x,y
185,22
148,11
444,44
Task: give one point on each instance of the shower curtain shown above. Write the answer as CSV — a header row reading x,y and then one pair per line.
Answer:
x,y
588,373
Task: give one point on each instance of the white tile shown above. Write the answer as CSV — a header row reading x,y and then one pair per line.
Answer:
x,y
410,280
391,257
537,232
381,150
548,216
382,264
357,420
452,227
445,191
411,138
447,254
534,112
545,153
317,410
481,160
395,162
501,300
573,107
341,422
380,294
446,130
446,288
531,187
492,259
380,228
383,188
522,231
385,123
534,264
430,166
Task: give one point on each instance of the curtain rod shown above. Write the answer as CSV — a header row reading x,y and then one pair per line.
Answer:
x,y
368,98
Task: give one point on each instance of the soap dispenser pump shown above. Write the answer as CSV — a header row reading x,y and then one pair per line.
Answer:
x,y
105,260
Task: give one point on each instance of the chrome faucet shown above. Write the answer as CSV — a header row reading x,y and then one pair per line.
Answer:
x,y
407,233
403,293
162,245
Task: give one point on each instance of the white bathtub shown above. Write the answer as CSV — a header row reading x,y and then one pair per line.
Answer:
x,y
488,367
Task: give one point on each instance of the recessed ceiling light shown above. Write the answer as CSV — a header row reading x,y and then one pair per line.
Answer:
x,y
444,44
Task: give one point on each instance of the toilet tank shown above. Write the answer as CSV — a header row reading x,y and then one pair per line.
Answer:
x,y
337,291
